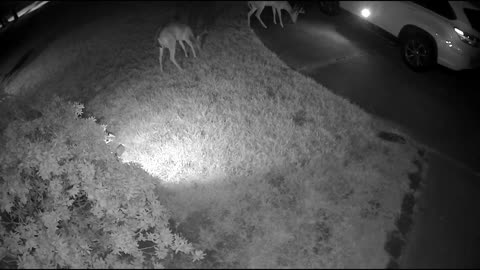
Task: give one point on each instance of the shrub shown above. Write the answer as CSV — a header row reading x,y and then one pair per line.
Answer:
x,y
67,202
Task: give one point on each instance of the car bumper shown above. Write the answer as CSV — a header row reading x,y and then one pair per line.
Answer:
x,y
458,55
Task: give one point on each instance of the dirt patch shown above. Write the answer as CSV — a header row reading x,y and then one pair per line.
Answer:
x,y
395,244
416,177
191,226
391,137
300,118
396,239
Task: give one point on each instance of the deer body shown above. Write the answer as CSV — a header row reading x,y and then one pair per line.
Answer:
x,y
168,38
277,7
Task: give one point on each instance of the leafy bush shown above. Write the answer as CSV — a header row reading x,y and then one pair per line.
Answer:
x,y
67,202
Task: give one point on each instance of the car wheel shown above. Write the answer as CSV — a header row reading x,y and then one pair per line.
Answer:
x,y
330,8
418,52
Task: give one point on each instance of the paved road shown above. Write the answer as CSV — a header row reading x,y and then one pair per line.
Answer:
x,y
438,108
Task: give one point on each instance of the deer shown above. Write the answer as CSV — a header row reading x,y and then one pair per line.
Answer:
x,y
173,32
277,7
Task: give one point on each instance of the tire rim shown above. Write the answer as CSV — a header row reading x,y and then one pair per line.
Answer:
x,y
416,53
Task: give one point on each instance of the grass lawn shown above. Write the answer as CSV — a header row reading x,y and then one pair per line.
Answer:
x,y
261,166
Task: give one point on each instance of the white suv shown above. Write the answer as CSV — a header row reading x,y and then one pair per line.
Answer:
x,y
443,32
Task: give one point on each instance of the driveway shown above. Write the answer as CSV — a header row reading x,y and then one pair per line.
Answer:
x,y
437,108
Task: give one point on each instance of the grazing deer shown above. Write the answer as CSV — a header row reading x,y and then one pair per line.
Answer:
x,y
277,7
168,39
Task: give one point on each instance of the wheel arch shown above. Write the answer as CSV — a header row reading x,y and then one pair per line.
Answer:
x,y
410,29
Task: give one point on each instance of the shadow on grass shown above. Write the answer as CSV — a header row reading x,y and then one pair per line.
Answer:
x,y
21,63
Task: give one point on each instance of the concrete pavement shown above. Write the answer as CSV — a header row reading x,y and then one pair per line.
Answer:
x,y
445,234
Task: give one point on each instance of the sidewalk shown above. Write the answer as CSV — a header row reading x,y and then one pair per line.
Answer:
x,y
447,219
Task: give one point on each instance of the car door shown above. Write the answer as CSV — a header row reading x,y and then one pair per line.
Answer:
x,y
435,17
391,16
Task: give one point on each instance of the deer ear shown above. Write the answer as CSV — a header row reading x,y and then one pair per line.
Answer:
x,y
301,11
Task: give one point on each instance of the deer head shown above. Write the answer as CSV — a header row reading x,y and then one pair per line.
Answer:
x,y
296,11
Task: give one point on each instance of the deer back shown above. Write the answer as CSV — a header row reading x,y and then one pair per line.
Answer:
x,y
173,32
283,5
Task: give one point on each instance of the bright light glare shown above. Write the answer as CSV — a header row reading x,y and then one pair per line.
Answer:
x,y
38,4
34,6
365,12
460,32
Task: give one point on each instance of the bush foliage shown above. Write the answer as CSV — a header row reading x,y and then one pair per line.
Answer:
x,y
67,202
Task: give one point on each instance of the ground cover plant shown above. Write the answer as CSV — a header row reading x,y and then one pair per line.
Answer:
x,y
68,202
259,165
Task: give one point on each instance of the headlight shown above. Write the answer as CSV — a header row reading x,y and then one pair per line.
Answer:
x,y
467,38
365,12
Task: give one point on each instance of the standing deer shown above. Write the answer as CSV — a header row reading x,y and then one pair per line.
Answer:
x,y
277,7
168,39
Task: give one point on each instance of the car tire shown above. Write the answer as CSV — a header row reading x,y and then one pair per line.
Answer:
x,y
418,51
330,8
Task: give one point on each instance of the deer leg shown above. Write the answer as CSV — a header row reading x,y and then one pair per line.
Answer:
x,y
274,11
198,42
191,46
257,14
160,59
172,57
250,14
279,12
183,47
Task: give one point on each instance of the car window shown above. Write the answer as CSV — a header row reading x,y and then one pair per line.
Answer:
x,y
473,16
442,8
